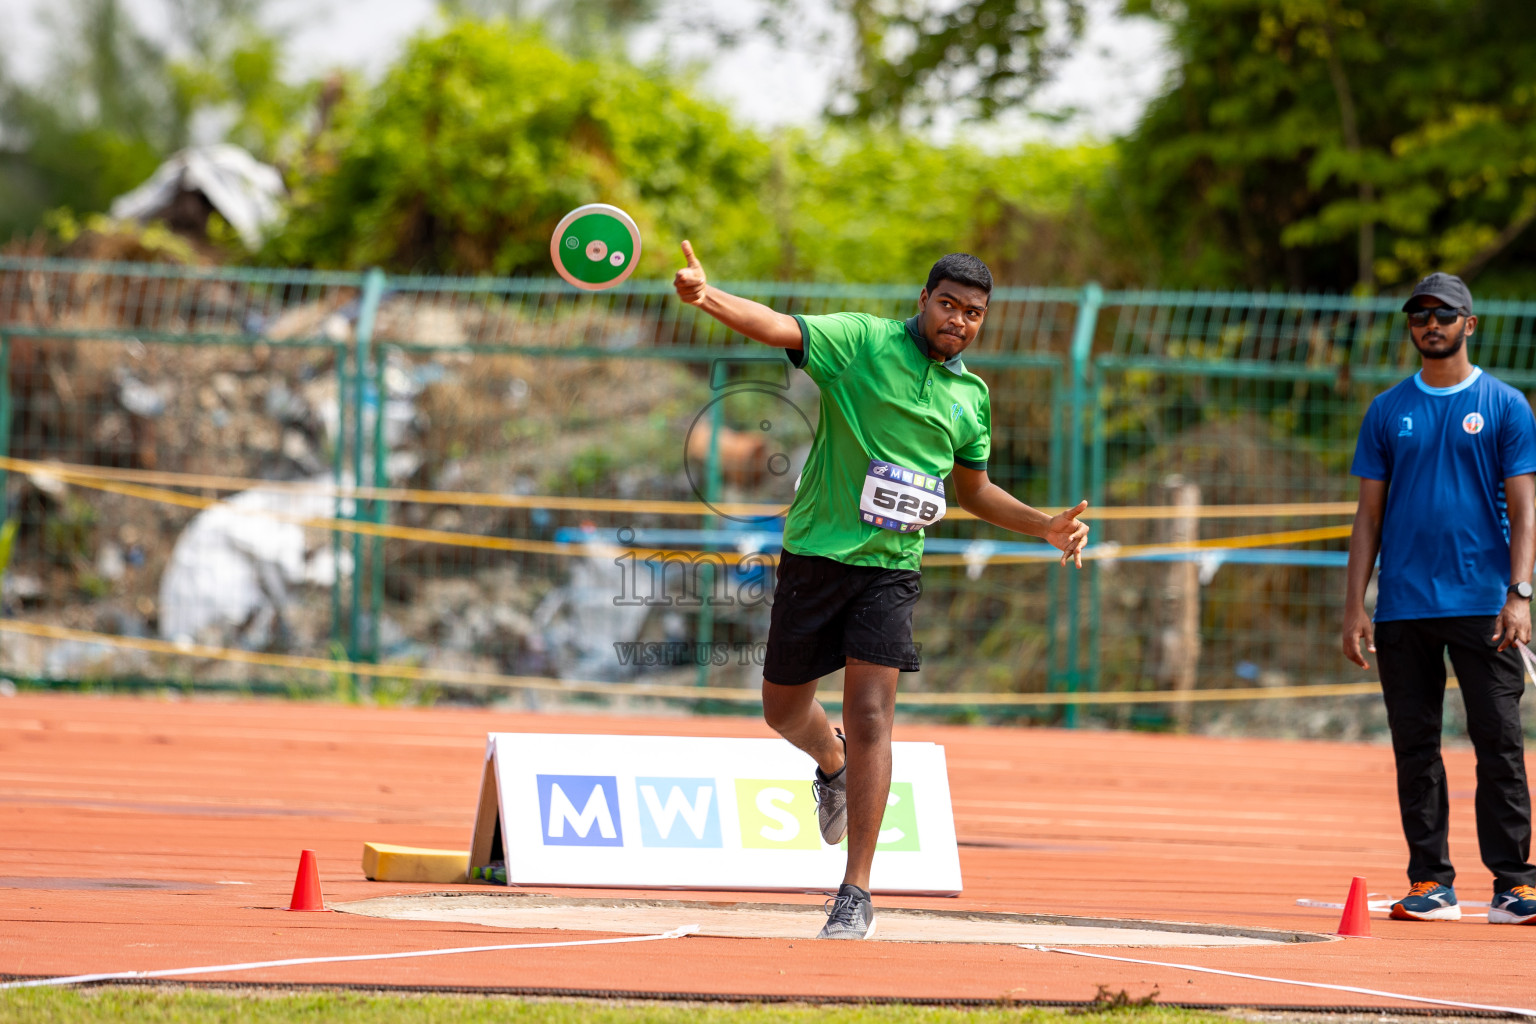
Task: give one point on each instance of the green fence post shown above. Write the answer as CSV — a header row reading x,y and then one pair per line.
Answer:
x,y
380,478
1055,497
368,307
1082,350
338,470
1096,497
706,577
5,421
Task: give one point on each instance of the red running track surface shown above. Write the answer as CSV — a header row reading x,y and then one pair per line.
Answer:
x,y
196,792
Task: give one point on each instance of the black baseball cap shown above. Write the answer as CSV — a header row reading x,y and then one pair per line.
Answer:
x,y
1448,288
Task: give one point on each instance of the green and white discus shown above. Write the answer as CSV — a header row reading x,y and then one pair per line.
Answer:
x,y
595,246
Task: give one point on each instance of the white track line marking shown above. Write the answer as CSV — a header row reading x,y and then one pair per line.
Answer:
x,y
1287,981
76,979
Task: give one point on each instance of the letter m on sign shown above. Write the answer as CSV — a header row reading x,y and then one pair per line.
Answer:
x,y
580,810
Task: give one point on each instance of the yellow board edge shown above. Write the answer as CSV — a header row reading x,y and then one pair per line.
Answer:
x,y
383,862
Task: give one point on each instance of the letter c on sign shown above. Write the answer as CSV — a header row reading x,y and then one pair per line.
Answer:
x,y
768,801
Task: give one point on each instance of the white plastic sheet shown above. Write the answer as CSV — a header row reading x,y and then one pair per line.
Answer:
x,y
246,192
232,566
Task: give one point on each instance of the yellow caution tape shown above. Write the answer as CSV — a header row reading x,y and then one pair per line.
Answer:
x,y
101,482
1110,552
417,533
493,681
71,472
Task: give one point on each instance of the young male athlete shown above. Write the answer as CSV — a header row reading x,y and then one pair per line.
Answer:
x,y
899,413
1445,461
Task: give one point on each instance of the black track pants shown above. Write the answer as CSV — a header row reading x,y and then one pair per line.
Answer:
x,y
1411,655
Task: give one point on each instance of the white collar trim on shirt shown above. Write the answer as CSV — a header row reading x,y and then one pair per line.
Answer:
x,y
1418,378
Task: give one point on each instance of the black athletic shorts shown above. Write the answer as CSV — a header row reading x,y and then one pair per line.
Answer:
x,y
825,612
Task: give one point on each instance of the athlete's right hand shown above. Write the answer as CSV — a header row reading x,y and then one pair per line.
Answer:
x,y
1357,627
689,282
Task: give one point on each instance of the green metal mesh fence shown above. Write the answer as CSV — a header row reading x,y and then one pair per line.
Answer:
x,y
529,437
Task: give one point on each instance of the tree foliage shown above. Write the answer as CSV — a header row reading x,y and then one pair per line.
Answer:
x,y
1311,144
871,205
115,103
481,137
234,71
582,27
1338,143
95,127
912,59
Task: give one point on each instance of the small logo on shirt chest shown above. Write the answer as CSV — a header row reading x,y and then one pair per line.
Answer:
x,y
1405,427
955,412
1472,422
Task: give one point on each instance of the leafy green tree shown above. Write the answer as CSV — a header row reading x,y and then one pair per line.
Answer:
x,y
481,136
871,205
913,58
97,126
1338,143
583,27
115,103
234,71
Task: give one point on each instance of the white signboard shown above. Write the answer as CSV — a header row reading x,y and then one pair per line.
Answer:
x,y
693,813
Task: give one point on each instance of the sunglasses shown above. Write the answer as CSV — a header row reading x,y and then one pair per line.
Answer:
x,y
1444,315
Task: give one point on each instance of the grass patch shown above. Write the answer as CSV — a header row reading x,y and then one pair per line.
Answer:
x,y
204,1006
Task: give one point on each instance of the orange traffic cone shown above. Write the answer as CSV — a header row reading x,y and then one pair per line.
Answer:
x,y
1356,920
306,887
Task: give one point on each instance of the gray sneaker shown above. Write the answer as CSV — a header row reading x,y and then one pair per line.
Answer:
x,y
831,795
850,915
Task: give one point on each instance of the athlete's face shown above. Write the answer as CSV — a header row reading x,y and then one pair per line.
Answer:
x,y
951,317
1435,340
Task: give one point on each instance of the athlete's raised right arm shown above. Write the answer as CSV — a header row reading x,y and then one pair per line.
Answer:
x,y
753,319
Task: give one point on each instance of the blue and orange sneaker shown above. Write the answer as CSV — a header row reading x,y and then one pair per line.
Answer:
x,y
1514,906
1428,901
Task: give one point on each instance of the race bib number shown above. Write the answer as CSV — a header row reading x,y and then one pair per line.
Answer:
x,y
900,499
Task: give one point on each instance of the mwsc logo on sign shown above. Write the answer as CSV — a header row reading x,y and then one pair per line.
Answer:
x,y
771,814
697,813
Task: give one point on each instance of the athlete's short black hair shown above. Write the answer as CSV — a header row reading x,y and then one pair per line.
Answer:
x,y
961,268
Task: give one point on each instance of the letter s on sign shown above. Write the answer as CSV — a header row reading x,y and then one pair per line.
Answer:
x,y
768,801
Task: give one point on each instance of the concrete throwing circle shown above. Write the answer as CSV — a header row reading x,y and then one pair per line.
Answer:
x,y
799,921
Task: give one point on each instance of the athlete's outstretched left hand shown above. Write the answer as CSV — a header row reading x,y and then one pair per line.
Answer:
x,y
1068,535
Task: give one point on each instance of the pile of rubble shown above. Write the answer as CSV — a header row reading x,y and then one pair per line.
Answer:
x,y
243,573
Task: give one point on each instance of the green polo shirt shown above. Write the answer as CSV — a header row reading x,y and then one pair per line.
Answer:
x,y
881,398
